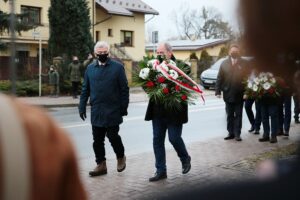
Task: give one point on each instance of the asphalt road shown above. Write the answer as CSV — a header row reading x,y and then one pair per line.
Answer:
x,y
205,121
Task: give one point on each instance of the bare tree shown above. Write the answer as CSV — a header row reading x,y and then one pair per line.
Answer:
x,y
205,23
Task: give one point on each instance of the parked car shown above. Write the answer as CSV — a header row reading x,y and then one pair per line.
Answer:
x,y
208,77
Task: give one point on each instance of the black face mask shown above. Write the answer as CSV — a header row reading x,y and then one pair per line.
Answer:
x,y
102,57
161,58
75,61
235,55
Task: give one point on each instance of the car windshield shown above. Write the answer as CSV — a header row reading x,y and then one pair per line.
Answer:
x,y
217,64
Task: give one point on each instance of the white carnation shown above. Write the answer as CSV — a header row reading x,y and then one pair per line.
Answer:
x,y
272,80
172,62
269,74
173,73
250,84
262,74
256,81
164,66
150,62
144,73
266,86
254,87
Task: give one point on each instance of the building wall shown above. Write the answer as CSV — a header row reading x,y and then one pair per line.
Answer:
x,y
118,23
27,37
185,54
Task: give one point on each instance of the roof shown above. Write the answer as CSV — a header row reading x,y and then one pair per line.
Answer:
x,y
126,7
178,45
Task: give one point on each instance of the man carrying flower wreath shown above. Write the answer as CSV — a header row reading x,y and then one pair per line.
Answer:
x,y
168,114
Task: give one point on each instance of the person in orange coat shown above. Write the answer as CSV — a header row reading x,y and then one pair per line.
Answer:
x,y
52,162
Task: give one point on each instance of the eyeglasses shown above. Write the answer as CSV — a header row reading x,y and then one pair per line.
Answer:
x,y
102,52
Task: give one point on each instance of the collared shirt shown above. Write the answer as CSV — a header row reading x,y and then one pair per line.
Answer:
x,y
234,61
101,64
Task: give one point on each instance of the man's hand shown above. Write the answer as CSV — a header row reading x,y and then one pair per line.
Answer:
x,y
82,115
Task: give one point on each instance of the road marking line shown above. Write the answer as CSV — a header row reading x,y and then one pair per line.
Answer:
x,y
126,119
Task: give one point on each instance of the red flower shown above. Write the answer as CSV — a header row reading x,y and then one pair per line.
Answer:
x,y
184,97
281,83
166,90
271,90
177,88
161,79
150,84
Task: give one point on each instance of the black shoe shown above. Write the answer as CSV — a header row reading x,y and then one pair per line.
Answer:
x,y
273,140
251,129
264,139
238,138
256,132
286,134
229,137
186,166
297,121
158,176
280,133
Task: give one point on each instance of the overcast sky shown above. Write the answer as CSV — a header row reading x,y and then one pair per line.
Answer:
x,y
166,26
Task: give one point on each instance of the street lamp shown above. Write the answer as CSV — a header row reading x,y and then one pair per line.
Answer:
x,y
38,34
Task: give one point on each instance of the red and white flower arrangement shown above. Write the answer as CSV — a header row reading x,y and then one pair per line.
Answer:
x,y
263,85
167,83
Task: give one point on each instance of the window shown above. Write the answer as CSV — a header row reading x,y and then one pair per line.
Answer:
x,y
33,15
109,32
127,38
97,36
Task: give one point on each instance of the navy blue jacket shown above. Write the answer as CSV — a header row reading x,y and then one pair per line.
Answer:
x,y
108,90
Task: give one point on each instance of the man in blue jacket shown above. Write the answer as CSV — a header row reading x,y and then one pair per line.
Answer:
x,y
106,85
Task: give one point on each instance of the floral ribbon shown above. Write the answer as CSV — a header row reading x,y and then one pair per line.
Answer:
x,y
156,65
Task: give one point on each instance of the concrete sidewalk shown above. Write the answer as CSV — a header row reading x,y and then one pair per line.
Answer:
x,y
136,95
213,161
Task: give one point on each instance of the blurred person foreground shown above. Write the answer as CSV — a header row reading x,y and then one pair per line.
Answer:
x,y
37,159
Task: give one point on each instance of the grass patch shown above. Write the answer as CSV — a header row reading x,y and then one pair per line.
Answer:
x,y
275,154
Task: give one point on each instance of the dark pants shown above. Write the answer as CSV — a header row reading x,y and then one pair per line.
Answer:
x,y
254,121
160,126
75,86
267,111
296,107
114,139
249,112
234,113
285,113
257,116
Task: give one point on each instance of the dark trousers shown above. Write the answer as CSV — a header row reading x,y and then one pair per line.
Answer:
x,y
254,121
267,111
234,113
296,107
285,113
160,126
258,118
75,86
114,138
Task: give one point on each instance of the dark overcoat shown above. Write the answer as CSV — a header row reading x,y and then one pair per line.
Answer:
x,y
107,88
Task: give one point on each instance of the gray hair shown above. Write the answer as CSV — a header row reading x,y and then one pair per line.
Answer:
x,y
101,44
167,46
